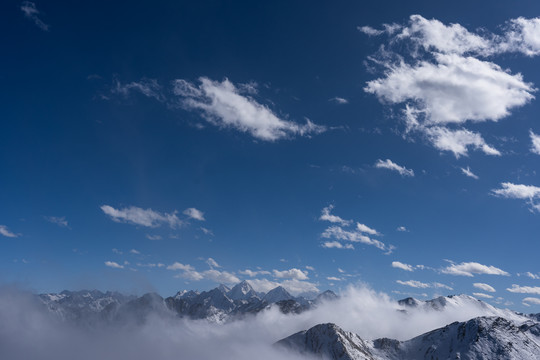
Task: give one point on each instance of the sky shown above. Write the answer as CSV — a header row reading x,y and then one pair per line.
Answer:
x,y
170,145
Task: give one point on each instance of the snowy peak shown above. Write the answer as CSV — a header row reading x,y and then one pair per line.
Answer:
x,y
277,294
328,295
242,291
328,341
224,289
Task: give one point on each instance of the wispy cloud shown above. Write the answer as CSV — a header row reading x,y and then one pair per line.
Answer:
x,y
327,216
4,231
535,140
420,285
291,274
530,193
58,220
524,289
337,245
113,264
339,100
471,268
31,12
143,217
467,172
224,105
484,287
194,214
482,295
402,229
212,263
390,165
147,87
402,266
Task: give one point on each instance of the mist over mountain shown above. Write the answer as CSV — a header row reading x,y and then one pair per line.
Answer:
x,y
205,325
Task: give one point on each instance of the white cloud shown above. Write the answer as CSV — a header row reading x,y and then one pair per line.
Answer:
x,y
336,245
31,12
535,139
326,216
523,35
402,229
135,252
400,265
252,273
532,276
180,266
366,229
222,104
341,270
471,268
194,214
339,100
113,264
390,165
444,83
414,284
368,30
467,171
484,287
310,268
207,231
420,285
153,237
519,191
291,274
212,263
338,233
144,217
482,295
458,141
148,87
531,300
293,286
60,220
189,273
333,278
6,232
524,289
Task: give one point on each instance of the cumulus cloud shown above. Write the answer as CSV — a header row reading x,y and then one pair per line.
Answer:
x,y
194,214
467,172
471,268
180,266
4,231
366,229
31,12
113,264
291,274
524,289
224,105
294,286
327,216
402,266
143,217
484,287
535,140
390,165
530,193
442,83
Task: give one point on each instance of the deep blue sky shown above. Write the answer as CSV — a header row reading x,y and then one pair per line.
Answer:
x,y
89,117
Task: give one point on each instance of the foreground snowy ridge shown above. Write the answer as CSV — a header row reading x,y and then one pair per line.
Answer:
x,y
478,338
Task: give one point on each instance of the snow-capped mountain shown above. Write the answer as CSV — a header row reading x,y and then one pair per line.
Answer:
x,y
217,305
479,338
